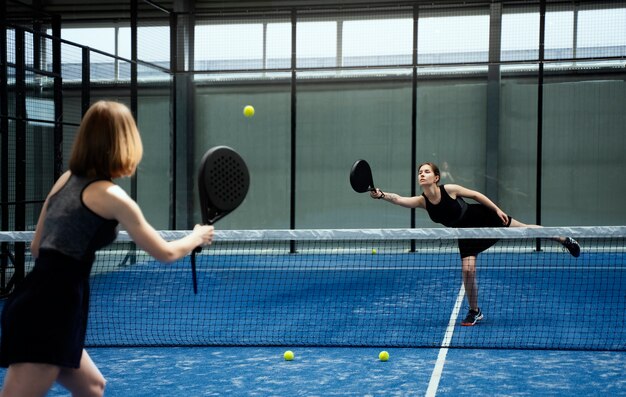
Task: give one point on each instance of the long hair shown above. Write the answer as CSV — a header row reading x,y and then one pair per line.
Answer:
x,y
108,144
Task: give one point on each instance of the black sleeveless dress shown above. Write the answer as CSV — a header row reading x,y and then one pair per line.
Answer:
x,y
45,318
458,214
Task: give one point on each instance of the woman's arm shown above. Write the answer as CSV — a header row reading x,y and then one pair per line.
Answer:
x,y
111,202
459,191
407,202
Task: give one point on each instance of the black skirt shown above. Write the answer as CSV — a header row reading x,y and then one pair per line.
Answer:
x,y
477,215
45,318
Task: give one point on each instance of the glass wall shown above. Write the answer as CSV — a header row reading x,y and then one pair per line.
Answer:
x,y
476,110
263,141
466,86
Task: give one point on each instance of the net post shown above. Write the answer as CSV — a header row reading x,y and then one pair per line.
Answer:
x,y
542,31
19,263
5,256
292,247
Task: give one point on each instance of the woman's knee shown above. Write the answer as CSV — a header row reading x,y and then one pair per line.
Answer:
x,y
93,387
468,265
98,386
85,381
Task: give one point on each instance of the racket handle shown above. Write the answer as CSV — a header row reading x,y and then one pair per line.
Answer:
x,y
193,269
194,277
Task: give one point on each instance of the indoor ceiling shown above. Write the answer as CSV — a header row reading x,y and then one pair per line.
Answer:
x,y
119,9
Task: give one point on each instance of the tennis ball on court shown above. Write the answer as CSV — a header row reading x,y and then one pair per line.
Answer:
x,y
374,250
288,355
248,111
383,356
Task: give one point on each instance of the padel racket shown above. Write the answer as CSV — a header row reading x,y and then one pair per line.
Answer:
x,y
361,177
223,182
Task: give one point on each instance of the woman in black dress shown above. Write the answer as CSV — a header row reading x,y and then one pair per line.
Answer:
x,y
45,319
445,205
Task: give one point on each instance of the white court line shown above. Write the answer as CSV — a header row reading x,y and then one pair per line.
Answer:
x,y
433,385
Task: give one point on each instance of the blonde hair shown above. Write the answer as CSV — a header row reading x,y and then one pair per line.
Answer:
x,y
108,144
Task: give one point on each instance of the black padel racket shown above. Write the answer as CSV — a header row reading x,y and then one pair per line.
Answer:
x,y
361,177
223,182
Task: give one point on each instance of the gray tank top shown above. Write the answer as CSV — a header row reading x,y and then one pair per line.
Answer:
x,y
73,229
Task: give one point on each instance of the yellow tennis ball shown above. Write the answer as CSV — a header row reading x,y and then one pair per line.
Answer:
x,y
383,356
374,250
248,111
288,355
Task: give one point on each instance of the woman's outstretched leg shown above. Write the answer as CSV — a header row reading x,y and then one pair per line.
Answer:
x,y
569,243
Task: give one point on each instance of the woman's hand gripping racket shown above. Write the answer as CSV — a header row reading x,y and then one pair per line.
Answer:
x,y
223,182
361,177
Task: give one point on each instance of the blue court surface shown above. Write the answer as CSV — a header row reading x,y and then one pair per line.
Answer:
x,y
553,326
530,300
249,371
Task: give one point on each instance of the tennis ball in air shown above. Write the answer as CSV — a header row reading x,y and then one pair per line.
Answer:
x,y
248,111
374,250
383,356
288,355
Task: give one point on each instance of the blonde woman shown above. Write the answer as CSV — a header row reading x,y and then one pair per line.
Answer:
x,y
45,319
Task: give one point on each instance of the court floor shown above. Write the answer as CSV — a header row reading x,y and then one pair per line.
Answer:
x,y
245,302
531,301
249,371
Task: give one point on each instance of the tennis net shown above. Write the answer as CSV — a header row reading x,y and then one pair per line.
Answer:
x,y
377,287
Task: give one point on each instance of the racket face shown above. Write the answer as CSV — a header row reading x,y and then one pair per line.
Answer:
x,y
361,177
223,182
